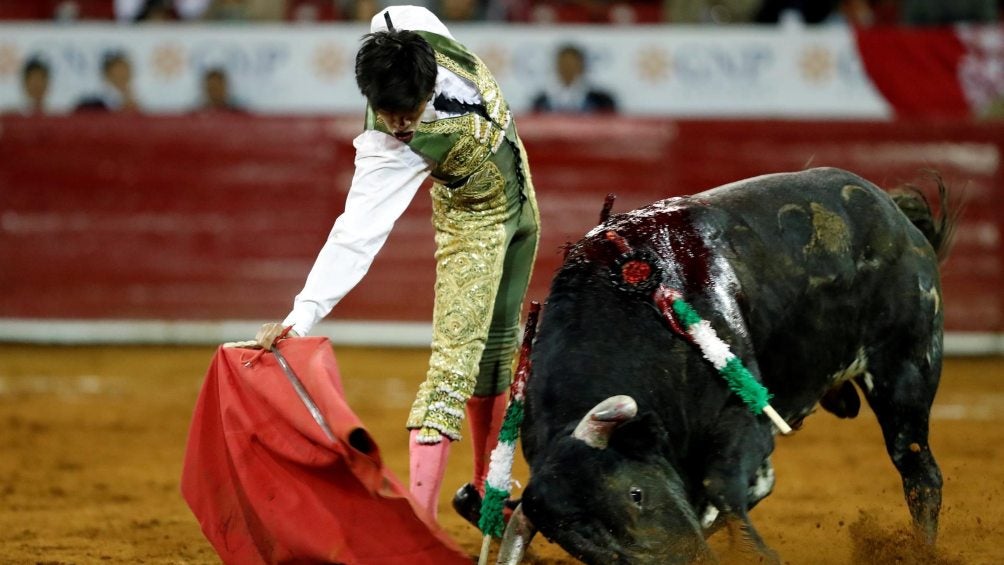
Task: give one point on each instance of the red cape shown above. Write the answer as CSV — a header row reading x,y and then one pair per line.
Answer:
x,y
268,486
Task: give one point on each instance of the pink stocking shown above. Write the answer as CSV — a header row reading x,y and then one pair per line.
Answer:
x,y
427,465
485,414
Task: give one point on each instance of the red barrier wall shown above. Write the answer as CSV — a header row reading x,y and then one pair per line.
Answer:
x,y
220,217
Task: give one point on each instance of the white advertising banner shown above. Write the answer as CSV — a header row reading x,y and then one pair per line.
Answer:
x,y
796,72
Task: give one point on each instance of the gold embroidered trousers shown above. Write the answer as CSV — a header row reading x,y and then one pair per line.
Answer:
x,y
486,239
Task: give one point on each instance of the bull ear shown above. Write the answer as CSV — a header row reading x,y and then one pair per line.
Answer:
x,y
597,425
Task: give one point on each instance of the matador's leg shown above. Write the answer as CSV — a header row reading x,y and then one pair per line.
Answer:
x,y
486,408
468,271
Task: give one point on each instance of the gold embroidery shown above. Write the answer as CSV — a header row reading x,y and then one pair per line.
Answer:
x,y
484,191
475,142
470,249
466,155
468,267
448,126
470,222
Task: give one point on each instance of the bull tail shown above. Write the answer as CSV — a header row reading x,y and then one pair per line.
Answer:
x,y
938,228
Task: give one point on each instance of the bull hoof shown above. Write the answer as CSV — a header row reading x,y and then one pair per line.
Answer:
x,y
467,503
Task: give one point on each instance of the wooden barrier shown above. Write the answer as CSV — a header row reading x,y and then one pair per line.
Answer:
x,y
220,217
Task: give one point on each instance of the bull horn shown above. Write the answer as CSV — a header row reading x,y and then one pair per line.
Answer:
x,y
596,426
516,538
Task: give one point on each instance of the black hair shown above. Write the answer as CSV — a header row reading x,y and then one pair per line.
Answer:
x,y
34,64
151,7
396,70
214,72
573,50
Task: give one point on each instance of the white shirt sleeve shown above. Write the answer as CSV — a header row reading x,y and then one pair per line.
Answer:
x,y
387,176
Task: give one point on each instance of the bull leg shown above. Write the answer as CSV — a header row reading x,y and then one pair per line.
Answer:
x,y
731,478
901,399
760,486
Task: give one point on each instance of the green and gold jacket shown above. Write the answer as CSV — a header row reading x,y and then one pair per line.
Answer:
x,y
476,153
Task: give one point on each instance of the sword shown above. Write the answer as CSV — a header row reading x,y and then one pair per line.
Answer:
x,y
301,391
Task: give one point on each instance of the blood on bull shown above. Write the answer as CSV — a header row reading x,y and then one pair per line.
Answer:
x,y
817,284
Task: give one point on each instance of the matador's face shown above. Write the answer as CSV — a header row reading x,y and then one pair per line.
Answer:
x,y
403,124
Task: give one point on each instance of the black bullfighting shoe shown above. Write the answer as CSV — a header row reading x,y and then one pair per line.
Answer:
x,y
467,503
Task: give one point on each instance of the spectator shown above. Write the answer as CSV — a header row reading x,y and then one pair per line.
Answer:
x,y
853,12
710,11
810,11
573,93
216,92
66,12
306,11
116,94
246,10
159,10
35,82
884,12
458,10
228,10
361,10
939,12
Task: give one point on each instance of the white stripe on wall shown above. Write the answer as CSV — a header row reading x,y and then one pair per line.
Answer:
x,y
78,332
380,334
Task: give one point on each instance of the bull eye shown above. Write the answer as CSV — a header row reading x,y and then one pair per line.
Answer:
x,y
636,496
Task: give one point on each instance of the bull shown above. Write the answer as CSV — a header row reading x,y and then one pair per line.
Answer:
x,y
821,283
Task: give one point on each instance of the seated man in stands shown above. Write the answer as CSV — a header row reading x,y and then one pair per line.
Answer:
x,y
116,94
572,92
216,92
35,82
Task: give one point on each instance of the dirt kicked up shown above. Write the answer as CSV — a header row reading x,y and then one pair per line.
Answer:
x,y
91,443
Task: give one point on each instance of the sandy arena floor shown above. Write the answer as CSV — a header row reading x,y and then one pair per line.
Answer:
x,y
91,441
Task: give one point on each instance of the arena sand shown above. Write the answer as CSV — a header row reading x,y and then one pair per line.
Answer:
x,y
91,443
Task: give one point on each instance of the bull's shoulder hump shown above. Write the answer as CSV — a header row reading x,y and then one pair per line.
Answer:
x,y
809,184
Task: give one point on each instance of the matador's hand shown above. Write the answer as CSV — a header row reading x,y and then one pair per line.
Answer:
x,y
248,344
269,332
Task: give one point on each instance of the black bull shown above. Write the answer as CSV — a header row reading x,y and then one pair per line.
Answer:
x,y
816,280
